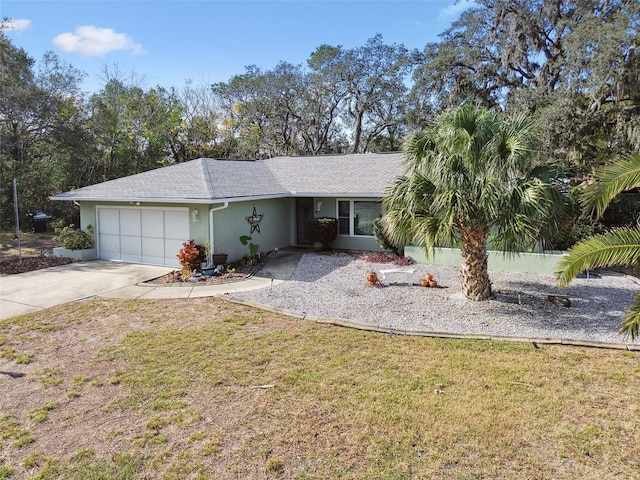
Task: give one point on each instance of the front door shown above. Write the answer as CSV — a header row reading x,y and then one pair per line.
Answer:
x,y
304,212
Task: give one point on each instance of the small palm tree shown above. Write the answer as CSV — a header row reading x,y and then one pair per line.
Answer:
x,y
471,175
620,246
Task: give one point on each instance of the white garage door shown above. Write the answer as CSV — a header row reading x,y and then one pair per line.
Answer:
x,y
142,235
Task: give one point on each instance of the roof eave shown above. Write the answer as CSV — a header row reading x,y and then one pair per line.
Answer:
x,y
181,201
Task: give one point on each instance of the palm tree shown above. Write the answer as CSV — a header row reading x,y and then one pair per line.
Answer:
x,y
470,176
620,246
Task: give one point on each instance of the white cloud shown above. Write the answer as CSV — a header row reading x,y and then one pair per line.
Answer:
x,y
92,41
17,25
457,8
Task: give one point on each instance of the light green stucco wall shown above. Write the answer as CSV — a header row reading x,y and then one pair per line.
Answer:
x,y
87,215
543,263
276,227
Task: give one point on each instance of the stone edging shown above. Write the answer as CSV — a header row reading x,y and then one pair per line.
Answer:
x,y
633,347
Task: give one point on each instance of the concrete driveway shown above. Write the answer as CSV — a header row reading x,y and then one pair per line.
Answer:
x,y
40,289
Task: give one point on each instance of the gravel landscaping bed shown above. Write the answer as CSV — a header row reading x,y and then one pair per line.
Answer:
x,y
334,286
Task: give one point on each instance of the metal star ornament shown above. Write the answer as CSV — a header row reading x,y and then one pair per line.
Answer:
x,y
254,220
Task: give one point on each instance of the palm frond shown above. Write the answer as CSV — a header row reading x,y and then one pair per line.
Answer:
x,y
616,247
418,148
526,212
631,321
618,176
406,200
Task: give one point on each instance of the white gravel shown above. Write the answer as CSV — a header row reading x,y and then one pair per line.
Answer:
x,y
334,286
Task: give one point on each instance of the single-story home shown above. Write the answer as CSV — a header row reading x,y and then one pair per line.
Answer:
x,y
145,218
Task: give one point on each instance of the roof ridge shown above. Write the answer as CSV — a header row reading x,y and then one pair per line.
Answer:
x,y
207,177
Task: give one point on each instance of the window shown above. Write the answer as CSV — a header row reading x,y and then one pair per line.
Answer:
x,y
355,217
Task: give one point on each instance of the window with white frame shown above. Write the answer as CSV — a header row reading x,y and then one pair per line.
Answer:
x,y
355,217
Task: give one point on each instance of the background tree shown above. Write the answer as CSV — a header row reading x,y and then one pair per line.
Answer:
x,y
200,134
572,64
133,130
284,111
320,128
41,126
620,246
373,77
471,176
247,110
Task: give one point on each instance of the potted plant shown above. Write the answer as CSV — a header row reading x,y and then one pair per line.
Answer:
x,y
208,267
219,259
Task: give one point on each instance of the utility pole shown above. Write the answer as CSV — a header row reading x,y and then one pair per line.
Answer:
x,y
15,205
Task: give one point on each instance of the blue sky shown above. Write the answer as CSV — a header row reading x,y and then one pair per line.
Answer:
x,y
167,42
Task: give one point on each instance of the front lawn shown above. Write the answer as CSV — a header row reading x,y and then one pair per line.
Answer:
x,y
201,388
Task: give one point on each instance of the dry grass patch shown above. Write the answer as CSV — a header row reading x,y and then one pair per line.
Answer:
x,y
205,389
31,244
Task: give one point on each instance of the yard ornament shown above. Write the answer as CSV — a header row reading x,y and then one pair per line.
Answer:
x,y
254,220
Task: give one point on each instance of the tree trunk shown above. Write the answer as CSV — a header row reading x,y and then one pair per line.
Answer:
x,y
359,116
476,284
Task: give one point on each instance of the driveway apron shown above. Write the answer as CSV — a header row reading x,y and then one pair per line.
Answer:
x,y
40,289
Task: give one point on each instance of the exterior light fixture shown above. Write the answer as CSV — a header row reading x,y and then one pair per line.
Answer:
x,y
318,207
195,215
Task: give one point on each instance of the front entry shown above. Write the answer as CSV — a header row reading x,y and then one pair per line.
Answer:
x,y
304,212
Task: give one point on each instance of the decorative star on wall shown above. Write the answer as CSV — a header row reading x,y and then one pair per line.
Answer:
x,y
254,220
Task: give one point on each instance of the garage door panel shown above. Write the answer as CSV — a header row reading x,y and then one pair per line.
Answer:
x,y
130,222
109,221
172,247
176,225
131,245
110,247
153,247
152,223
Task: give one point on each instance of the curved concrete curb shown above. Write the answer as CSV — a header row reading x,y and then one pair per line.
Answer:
x,y
339,322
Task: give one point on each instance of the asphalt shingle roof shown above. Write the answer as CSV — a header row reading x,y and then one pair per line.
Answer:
x,y
207,179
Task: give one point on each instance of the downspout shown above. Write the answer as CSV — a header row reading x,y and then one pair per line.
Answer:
x,y
211,210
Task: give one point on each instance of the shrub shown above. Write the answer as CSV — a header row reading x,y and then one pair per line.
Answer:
x,y
574,227
383,239
73,238
191,255
623,211
323,230
253,247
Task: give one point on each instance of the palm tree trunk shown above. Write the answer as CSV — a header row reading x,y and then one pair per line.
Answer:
x,y
476,284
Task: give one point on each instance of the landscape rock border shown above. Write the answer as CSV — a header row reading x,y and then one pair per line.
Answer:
x,y
333,290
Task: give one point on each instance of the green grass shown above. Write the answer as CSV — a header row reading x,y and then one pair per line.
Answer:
x,y
12,433
41,414
246,394
50,377
120,466
5,472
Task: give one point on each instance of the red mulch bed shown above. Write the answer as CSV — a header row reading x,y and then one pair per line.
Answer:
x,y
385,257
14,265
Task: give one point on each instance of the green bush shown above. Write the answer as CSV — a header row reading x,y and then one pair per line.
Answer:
x,y
383,239
623,211
323,230
73,238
